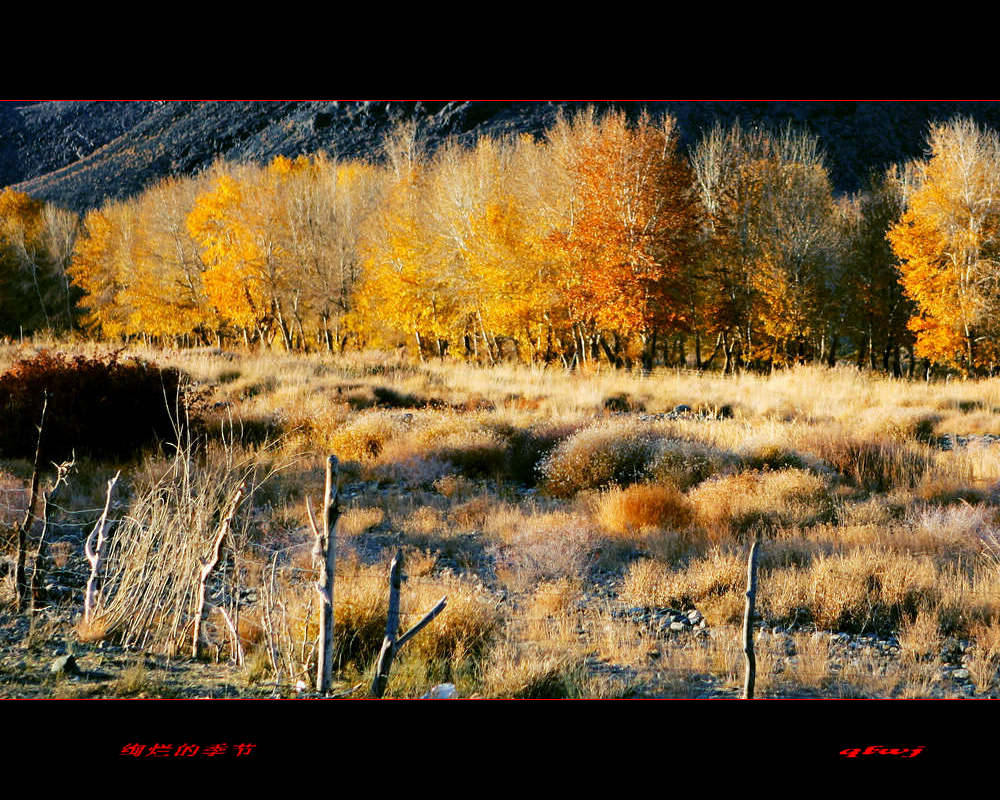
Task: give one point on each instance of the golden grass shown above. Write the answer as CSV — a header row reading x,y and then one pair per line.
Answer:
x,y
355,521
729,506
868,525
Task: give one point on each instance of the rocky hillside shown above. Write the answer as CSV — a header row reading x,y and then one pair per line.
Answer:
x,y
79,154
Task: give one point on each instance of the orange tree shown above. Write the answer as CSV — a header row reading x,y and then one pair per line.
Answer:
x,y
633,232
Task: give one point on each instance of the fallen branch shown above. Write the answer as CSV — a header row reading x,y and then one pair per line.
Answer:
x,y
438,608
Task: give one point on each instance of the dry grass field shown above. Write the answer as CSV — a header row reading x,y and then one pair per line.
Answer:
x,y
590,531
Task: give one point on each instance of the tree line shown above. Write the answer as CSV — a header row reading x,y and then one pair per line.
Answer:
x,y
599,241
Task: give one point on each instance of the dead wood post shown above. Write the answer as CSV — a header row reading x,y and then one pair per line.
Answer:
x,y
391,644
391,628
40,565
208,565
95,553
20,585
325,555
751,595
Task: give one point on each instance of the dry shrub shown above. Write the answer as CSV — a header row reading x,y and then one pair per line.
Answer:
x,y
920,636
878,465
945,490
553,597
454,487
950,532
673,546
156,550
643,505
650,583
458,438
881,510
528,448
514,673
791,551
426,521
986,655
419,563
896,423
468,623
981,422
364,438
734,504
361,605
545,547
687,463
597,456
770,456
390,398
355,521
472,514
865,590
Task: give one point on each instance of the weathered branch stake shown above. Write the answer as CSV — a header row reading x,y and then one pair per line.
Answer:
x,y
20,584
751,595
325,555
391,644
95,553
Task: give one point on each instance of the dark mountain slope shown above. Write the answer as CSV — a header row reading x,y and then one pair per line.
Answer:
x,y
78,154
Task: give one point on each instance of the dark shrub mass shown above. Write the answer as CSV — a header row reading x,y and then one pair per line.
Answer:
x,y
96,406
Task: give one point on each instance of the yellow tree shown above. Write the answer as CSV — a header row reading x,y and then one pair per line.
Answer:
x,y
322,208
102,259
237,228
771,239
407,284
798,262
164,285
948,242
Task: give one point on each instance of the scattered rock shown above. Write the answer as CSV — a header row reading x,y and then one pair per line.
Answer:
x,y
64,665
443,691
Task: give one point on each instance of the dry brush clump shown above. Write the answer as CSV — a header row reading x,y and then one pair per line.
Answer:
x,y
597,456
159,546
642,506
876,464
688,462
730,506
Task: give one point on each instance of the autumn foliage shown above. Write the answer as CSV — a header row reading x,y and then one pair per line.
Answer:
x,y
948,242
600,241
